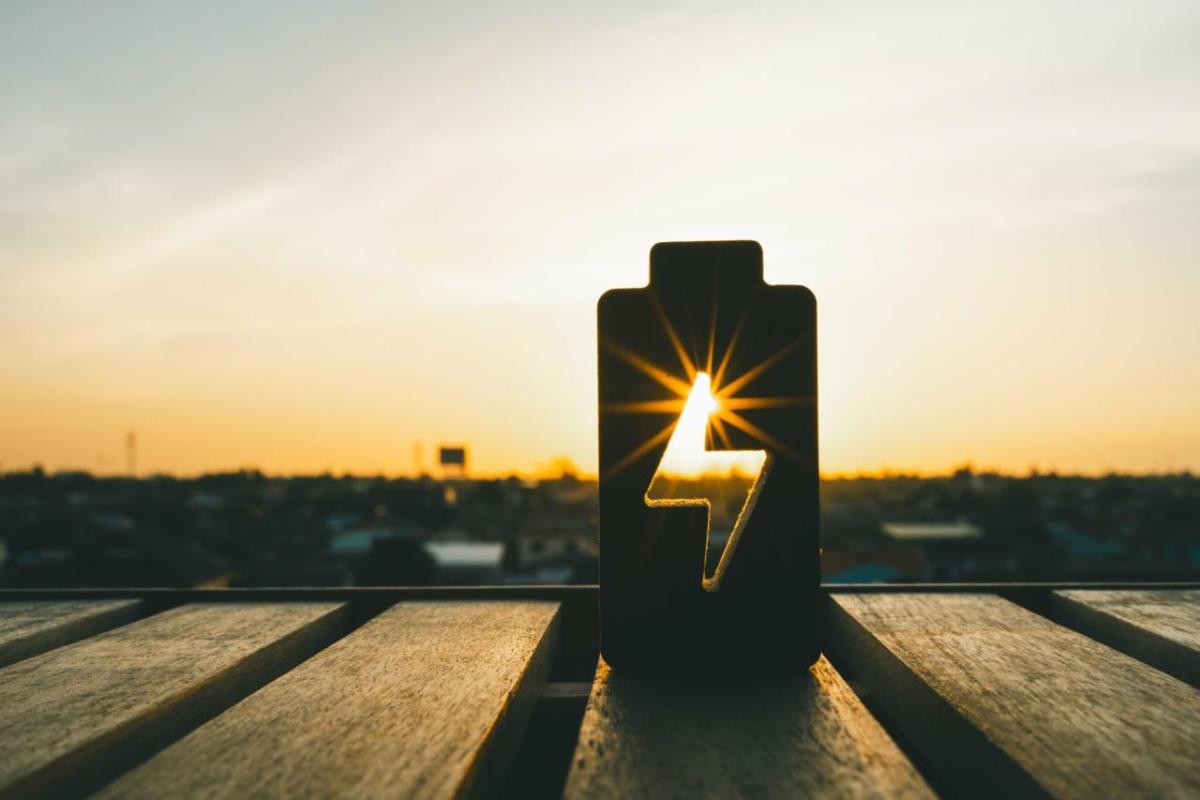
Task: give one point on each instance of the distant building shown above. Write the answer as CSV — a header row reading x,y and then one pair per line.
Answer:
x,y
555,544
947,551
461,562
931,531
357,540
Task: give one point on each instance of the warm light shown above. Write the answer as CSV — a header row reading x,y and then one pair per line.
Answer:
x,y
686,455
691,475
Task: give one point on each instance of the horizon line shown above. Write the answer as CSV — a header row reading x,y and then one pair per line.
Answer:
x,y
880,473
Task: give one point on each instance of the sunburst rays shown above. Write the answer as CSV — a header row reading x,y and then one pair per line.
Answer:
x,y
728,389
738,421
673,406
726,392
684,360
644,448
719,376
650,370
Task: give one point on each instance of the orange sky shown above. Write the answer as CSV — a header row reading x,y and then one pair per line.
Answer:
x,y
307,246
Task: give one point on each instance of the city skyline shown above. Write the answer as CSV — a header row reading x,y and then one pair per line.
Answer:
x,y
302,238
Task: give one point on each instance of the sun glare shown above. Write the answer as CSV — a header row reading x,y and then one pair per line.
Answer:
x,y
726,482
686,455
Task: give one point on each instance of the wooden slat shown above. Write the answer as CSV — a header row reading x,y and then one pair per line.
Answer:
x,y
801,736
428,699
76,716
1005,703
1159,626
29,628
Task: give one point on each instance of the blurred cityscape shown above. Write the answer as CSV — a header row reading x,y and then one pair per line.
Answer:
x,y
249,529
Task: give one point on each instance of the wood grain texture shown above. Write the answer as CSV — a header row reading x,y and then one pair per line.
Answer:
x,y
29,628
1159,626
78,715
429,699
1005,703
806,735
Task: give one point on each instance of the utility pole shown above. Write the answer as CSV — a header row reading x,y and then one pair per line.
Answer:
x,y
131,454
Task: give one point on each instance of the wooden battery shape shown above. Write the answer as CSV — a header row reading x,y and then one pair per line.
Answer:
x,y
708,316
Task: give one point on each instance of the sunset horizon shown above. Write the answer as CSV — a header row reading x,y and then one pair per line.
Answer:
x,y
251,245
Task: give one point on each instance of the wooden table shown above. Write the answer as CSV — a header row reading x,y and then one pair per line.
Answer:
x,y
1002,690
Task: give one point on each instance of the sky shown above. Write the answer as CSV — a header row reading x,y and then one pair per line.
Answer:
x,y
305,236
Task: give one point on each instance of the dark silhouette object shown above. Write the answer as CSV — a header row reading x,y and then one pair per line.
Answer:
x,y
708,310
397,562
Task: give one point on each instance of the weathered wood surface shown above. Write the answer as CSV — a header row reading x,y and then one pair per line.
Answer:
x,y
806,735
1160,626
1005,703
429,699
29,628
79,715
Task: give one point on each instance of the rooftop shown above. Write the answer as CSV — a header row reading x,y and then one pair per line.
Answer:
x,y
931,531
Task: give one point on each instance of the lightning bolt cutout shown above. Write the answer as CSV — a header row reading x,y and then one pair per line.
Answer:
x,y
687,456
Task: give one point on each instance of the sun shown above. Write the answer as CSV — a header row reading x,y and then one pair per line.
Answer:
x,y
687,455
705,401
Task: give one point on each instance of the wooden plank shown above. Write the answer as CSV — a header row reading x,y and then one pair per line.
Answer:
x,y
77,716
1005,703
1160,626
29,628
806,735
428,699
